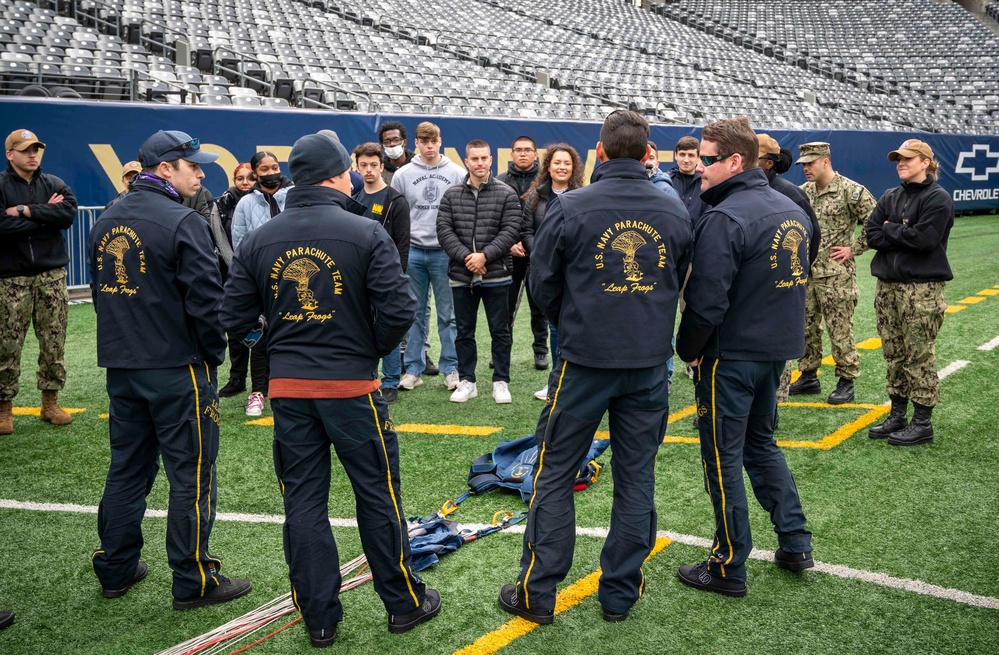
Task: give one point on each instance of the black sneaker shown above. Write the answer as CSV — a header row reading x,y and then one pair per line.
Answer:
x,y
225,591
390,395
232,388
508,601
541,361
698,577
614,617
431,607
140,572
843,392
431,368
793,561
323,637
6,618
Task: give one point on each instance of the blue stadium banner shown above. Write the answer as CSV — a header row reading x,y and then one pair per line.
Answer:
x,y
88,142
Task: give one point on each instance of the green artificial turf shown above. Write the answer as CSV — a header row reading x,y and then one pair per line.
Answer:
x,y
926,513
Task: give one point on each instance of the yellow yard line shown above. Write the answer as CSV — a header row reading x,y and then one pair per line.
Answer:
x,y
972,300
988,292
870,344
36,411
566,599
953,309
828,360
844,432
428,428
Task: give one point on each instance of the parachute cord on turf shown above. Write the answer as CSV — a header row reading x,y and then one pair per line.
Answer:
x,y
222,638
263,639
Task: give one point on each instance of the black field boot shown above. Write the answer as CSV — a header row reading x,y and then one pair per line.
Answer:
x,y
843,392
918,431
896,419
807,385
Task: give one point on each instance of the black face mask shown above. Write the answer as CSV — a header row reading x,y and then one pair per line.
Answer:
x,y
272,181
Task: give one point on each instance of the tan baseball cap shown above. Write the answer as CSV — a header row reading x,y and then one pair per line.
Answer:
x,y
21,140
130,168
768,145
811,151
911,148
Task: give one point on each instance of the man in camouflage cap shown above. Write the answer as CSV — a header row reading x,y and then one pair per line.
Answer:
x,y
840,204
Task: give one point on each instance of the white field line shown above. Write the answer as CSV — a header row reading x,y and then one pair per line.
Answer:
x,y
880,579
991,345
951,368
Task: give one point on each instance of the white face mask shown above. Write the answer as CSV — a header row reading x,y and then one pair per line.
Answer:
x,y
395,152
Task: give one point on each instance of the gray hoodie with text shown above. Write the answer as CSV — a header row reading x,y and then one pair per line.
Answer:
x,y
423,187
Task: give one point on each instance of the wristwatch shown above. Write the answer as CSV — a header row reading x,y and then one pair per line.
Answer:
x,y
20,210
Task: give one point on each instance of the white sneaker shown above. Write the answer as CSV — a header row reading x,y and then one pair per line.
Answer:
x,y
255,404
464,391
542,394
451,381
501,393
410,382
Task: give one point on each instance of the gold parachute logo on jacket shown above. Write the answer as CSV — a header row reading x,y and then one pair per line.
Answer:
x,y
629,242
300,271
117,249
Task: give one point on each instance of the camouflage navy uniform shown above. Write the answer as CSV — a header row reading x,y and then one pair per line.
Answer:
x,y
832,286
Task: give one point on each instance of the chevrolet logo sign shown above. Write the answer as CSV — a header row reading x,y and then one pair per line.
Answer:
x,y
978,159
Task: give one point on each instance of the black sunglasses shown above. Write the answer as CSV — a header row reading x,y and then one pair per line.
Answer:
x,y
708,160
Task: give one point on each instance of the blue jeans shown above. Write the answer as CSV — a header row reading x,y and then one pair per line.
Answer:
x,y
391,369
428,268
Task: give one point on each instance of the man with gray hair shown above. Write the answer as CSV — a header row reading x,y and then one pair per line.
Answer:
x,y
313,262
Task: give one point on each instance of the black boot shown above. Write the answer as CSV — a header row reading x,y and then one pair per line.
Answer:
x,y
807,385
232,387
918,431
896,419
843,392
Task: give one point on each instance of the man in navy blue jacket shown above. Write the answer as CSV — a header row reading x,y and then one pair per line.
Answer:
x,y
606,268
744,318
331,288
157,291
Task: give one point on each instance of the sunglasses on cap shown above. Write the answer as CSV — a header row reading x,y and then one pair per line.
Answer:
x,y
188,147
708,160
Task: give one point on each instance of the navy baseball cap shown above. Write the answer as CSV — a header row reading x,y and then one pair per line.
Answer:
x,y
171,145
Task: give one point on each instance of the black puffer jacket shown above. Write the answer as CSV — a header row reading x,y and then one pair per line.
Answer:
x,y
487,222
909,229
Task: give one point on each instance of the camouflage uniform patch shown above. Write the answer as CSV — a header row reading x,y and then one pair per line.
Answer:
x,y
43,299
834,300
909,317
832,287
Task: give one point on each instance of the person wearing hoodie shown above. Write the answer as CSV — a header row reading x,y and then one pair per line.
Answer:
x,y
264,201
685,178
656,175
908,230
220,222
423,181
520,174
392,136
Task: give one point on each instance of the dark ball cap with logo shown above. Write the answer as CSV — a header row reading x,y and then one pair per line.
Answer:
x,y
171,145
317,157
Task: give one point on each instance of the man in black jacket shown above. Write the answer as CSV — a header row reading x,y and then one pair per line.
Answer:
x,y
37,208
156,287
520,173
744,318
335,299
606,268
477,223
391,209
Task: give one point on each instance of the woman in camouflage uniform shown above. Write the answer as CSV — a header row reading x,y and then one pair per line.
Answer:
x,y
909,229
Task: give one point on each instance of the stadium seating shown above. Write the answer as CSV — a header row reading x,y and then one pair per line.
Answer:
x,y
688,62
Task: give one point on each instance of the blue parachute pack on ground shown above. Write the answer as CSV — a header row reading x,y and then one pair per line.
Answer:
x,y
511,465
